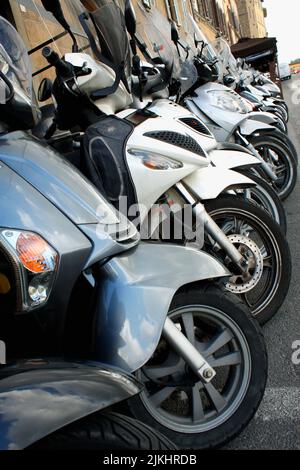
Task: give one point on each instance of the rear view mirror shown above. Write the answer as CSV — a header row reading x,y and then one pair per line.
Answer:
x,y
54,7
130,18
174,33
197,41
45,90
229,80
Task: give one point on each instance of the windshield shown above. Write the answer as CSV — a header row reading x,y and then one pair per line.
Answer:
x,y
154,30
14,59
197,36
112,34
227,63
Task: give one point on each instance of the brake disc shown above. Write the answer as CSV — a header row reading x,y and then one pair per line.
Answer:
x,y
242,283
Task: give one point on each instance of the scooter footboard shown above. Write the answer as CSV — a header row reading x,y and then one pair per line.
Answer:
x,y
134,296
39,397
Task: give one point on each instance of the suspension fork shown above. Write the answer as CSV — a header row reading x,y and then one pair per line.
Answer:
x,y
268,170
212,228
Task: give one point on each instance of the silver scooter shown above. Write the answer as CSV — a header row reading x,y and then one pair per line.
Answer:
x,y
81,285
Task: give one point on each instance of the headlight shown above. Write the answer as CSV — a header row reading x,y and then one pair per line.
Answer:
x,y
154,161
36,263
228,101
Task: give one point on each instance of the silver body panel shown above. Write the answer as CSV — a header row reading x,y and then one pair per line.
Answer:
x,y
135,294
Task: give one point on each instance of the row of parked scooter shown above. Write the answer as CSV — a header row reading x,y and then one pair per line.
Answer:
x,y
142,237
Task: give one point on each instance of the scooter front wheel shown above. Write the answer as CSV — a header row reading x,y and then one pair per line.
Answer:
x,y
264,196
176,402
282,162
259,238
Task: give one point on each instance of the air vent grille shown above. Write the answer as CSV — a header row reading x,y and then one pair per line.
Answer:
x,y
196,125
179,140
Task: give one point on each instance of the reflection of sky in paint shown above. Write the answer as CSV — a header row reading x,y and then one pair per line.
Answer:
x,y
283,23
20,409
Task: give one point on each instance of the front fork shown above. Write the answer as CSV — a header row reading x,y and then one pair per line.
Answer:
x,y
266,167
213,229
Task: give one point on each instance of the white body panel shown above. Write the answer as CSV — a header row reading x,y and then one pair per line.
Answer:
x,y
100,77
200,182
229,159
228,121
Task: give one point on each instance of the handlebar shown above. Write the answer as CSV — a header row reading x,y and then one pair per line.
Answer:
x,y
64,69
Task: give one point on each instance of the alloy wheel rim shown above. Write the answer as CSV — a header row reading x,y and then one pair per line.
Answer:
x,y
199,407
271,253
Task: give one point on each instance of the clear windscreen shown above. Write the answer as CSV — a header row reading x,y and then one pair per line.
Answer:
x,y
14,60
227,64
199,42
154,30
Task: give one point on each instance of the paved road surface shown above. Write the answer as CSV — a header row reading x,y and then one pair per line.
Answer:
x,y
277,423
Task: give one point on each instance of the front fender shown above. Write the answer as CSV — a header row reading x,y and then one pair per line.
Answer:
x,y
209,183
135,291
249,127
39,397
229,159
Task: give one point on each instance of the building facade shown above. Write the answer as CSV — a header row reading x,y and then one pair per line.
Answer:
x,y
252,16
215,17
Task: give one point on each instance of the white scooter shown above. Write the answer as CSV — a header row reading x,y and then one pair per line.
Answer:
x,y
156,162
227,115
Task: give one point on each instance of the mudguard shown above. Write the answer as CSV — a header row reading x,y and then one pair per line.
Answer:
x,y
249,127
135,291
209,183
39,397
229,159
234,147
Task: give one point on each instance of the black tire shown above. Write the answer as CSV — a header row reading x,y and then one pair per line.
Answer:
x,y
287,163
284,138
105,431
283,111
259,196
278,277
213,436
281,125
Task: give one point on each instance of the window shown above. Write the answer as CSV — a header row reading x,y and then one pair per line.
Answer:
x,y
172,10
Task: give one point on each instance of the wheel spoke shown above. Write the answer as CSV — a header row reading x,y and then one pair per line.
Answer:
x,y
197,406
189,327
231,359
217,342
159,397
268,262
158,372
216,398
280,170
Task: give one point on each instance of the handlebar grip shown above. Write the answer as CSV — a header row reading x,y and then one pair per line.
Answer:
x,y
63,68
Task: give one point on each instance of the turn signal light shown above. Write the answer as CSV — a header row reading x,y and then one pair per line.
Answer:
x,y
35,254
